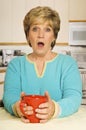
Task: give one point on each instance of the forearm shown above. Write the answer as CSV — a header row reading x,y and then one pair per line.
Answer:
x,y
69,105
8,106
9,99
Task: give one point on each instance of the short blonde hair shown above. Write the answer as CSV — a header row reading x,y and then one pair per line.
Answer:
x,y
40,15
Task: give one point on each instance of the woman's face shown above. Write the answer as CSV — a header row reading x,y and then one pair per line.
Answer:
x,y
40,37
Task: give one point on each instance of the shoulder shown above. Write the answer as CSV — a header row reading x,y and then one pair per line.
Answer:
x,y
66,58
17,59
16,62
66,62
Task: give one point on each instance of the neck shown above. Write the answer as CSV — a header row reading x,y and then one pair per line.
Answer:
x,y
47,57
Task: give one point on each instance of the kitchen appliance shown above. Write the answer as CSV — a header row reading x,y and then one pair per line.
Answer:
x,y
80,57
83,76
7,55
77,33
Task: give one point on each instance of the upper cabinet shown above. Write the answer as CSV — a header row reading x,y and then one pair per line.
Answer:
x,y
5,20
62,7
12,13
11,20
77,10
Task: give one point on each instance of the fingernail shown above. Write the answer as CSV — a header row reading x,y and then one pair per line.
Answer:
x,y
36,110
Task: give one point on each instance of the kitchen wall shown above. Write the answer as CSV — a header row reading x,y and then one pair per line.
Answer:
x,y
12,13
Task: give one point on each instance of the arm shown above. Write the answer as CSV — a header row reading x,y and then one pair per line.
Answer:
x,y
71,86
13,91
12,85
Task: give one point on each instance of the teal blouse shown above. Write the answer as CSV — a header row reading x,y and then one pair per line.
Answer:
x,y
60,77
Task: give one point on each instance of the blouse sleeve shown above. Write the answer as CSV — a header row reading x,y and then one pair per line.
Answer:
x,y
71,86
12,85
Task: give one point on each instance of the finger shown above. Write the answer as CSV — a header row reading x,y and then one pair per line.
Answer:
x,y
42,116
22,94
23,119
47,95
42,111
18,109
44,105
27,108
43,121
29,111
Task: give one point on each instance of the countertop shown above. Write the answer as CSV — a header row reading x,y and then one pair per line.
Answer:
x,y
77,121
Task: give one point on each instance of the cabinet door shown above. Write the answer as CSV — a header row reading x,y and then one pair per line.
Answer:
x,y
2,76
83,76
5,21
1,90
18,14
62,7
77,9
12,13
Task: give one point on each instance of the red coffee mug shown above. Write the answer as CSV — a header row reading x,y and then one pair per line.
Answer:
x,y
34,101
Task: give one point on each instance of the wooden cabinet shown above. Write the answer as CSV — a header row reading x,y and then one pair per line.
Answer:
x,y
62,7
1,91
5,20
77,9
11,20
12,13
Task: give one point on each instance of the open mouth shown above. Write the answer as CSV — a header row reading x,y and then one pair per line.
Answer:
x,y
40,44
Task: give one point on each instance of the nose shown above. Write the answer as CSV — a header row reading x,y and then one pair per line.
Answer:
x,y
40,34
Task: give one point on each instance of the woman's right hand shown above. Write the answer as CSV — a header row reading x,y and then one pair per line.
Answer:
x,y
28,110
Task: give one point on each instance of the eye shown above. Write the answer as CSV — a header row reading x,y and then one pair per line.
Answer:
x,y
34,29
48,29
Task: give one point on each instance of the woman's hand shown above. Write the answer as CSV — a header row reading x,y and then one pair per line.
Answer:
x,y
28,110
45,110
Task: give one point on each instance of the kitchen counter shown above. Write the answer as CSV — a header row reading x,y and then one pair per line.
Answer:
x,y
76,121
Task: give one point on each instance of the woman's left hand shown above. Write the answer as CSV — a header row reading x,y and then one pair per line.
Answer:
x,y
45,110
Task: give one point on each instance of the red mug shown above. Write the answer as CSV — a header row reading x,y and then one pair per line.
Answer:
x,y
34,101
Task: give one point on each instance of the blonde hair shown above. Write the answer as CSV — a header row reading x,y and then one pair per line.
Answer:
x,y
40,15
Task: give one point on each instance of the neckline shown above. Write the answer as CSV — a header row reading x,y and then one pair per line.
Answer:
x,y
45,66
48,61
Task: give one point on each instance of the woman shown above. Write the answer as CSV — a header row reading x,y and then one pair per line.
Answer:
x,y
43,71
